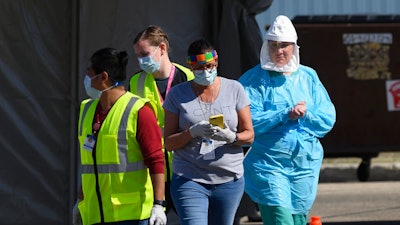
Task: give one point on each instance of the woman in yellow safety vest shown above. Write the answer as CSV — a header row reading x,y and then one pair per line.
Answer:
x,y
122,164
156,78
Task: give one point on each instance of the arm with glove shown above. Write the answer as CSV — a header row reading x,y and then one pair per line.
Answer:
x,y
174,138
158,216
201,129
244,134
223,134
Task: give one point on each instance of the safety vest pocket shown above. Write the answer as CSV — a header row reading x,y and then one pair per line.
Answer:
x,y
126,198
106,144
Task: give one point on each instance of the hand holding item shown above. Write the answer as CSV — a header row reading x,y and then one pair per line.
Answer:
x,y
298,111
158,216
223,134
201,129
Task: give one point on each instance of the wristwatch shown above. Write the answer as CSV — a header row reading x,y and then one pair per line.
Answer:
x,y
160,202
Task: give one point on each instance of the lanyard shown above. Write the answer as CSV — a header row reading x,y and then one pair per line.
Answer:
x,y
170,79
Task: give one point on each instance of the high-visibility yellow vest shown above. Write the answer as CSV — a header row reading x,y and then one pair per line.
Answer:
x,y
118,170
144,85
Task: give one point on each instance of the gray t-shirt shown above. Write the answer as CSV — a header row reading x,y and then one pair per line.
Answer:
x,y
187,161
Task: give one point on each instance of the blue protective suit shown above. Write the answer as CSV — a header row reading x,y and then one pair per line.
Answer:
x,y
282,167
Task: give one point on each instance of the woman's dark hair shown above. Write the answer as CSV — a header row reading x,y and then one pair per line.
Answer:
x,y
199,47
112,61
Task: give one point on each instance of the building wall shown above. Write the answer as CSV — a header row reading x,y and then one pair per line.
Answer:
x,y
292,8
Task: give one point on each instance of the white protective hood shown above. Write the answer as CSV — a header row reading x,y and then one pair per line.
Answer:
x,y
281,30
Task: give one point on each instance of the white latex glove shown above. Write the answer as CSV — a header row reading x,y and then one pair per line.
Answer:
x,y
223,134
76,216
201,129
158,216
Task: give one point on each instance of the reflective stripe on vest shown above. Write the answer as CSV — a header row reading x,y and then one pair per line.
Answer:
x,y
140,84
87,105
124,165
140,91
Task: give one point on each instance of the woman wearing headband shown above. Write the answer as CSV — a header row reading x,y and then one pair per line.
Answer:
x,y
207,182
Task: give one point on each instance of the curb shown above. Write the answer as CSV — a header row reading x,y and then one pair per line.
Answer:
x,y
347,172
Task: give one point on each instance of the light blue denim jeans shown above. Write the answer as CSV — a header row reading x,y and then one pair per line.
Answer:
x,y
202,204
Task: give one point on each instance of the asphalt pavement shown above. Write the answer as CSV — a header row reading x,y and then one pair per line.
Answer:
x,y
374,201
344,200
355,203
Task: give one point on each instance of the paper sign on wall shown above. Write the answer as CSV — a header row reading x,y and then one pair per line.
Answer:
x,y
368,55
393,95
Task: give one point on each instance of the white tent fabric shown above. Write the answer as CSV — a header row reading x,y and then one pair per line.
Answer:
x,y
45,46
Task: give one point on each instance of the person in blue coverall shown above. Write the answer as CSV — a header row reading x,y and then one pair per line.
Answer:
x,y
290,111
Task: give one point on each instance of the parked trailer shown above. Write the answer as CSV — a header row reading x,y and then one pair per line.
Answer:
x,y
357,57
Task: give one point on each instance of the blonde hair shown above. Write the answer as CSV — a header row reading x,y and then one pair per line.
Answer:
x,y
154,34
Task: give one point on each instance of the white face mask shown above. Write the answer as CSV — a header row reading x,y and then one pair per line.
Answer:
x,y
93,92
205,77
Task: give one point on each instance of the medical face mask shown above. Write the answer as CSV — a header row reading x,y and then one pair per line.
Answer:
x,y
91,91
205,77
148,64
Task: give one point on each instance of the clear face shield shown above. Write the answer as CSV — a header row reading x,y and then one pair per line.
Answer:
x,y
280,35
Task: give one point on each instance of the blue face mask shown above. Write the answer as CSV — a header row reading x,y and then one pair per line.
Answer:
x,y
205,77
148,64
93,92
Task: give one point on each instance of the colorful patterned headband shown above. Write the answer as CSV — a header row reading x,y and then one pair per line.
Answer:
x,y
202,58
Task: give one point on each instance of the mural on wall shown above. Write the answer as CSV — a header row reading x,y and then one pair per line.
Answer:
x,y
368,55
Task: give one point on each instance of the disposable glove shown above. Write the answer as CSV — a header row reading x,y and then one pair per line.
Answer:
x,y
76,216
223,134
201,129
157,216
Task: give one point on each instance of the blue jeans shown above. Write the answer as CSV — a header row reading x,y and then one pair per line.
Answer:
x,y
202,204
